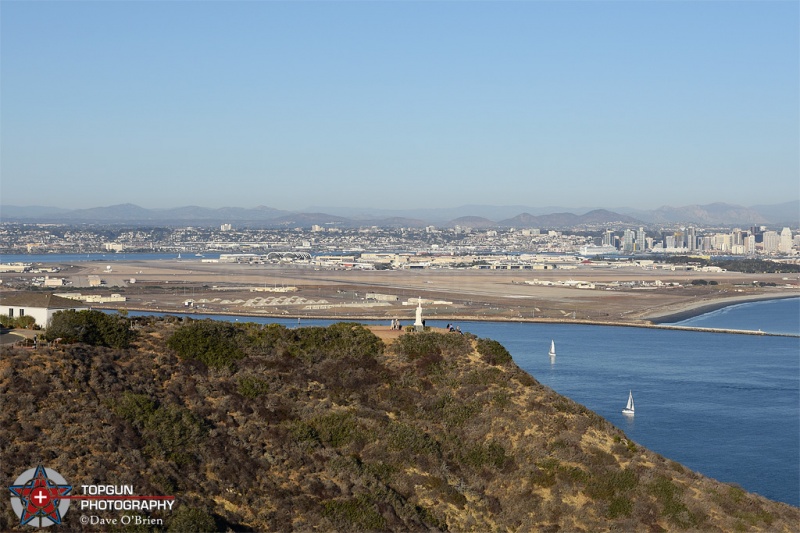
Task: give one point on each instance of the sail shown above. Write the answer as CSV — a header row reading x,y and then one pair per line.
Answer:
x,y
552,347
629,409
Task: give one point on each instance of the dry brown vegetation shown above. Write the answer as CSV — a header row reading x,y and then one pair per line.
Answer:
x,y
266,428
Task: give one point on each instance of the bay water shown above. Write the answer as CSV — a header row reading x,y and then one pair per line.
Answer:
x,y
97,256
725,405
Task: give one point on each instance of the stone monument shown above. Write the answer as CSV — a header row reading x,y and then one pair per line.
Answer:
x,y
418,325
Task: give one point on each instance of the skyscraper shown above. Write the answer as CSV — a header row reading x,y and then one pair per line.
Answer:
x,y
628,241
785,245
641,240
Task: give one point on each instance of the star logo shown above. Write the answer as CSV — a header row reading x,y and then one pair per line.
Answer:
x,y
39,497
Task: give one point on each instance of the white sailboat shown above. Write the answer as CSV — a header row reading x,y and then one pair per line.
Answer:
x,y
629,408
552,352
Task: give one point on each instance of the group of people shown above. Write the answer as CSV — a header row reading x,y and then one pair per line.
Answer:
x,y
396,325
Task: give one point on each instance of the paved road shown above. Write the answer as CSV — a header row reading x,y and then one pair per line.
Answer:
x,y
10,336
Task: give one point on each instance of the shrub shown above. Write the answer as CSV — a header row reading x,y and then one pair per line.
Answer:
x,y
270,339
338,340
24,321
669,495
607,486
174,433
171,432
492,454
136,408
431,344
620,506
337,429
188,519
403,437
90,327
493,352
357,513
217,344
252,387
304,432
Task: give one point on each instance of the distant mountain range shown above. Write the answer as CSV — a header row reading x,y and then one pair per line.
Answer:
x,y
474,216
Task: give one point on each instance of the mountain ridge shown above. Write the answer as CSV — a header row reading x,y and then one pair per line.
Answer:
x,y
714,214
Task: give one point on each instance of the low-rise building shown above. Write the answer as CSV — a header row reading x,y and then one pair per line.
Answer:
x,y
41,307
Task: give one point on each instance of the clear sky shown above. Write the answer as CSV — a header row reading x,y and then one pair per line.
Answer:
x,y
399,104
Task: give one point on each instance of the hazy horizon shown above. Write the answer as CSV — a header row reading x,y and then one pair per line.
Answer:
x,y
399,105
397,208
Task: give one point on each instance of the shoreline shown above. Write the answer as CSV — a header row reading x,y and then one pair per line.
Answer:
x,y
662,321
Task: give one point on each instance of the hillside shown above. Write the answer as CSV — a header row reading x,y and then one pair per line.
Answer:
x,y
266,428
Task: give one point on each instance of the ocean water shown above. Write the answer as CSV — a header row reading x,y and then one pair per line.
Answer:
x,y
725,405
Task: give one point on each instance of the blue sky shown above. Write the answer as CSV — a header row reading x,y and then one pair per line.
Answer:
x,y
399,104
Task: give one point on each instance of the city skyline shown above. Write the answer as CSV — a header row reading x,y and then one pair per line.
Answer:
x,y
399,105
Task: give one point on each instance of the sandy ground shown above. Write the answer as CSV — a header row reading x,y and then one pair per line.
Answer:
x,y
165,286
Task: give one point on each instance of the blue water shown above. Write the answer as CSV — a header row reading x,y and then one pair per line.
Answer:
x,y
773,316
725,405
111,256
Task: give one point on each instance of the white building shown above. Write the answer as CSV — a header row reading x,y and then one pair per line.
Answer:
x,y
598,250
771,241
41,307
785,245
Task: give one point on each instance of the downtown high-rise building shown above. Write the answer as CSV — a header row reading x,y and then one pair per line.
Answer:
x,y
641,240
771,241
785,245
628,241
608,238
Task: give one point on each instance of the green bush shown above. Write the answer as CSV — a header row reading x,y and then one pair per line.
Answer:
x,y
493,352
669,494
357,513
403,437
174,433
252,387
187,519
135,408
425,344
337,341
492,454
270,339
217,344
337,429
620,506
24,321
171,432
608,485
90,327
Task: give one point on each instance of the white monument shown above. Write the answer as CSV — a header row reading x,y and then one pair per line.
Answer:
x,y
418,325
